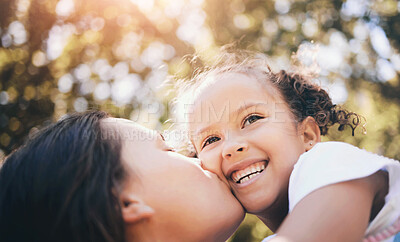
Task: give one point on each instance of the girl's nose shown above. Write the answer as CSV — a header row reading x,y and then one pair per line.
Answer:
x,y
233,149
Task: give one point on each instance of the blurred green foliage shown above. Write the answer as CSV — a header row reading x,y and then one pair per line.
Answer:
x,y
69,55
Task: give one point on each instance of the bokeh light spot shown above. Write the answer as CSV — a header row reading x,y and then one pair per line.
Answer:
x,y
395,59
282,6
120,70
82,72
288,23
39,58
380,42
354,8
14,124
87,87
80,104
360,30
102,91
310,28
270,27
12,94
19,68
338,91
97,24
29,92
242,21
385,70
65,83
123,90
6,40
58,38
65,7
144,5
5,139
3,98
17,30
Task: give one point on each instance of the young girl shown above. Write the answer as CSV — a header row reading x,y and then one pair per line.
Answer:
x,y
261,133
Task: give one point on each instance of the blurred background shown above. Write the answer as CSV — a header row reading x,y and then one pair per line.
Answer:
x,y
115,55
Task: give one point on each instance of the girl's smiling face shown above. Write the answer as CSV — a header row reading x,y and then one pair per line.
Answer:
x,y
244,132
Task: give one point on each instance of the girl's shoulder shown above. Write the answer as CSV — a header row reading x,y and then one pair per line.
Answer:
x,y
342,156
333,162
337,148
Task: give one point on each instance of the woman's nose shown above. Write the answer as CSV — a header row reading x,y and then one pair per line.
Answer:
x,y
215,166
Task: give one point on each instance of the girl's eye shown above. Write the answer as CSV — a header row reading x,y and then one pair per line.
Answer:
x,y
210,140
251,119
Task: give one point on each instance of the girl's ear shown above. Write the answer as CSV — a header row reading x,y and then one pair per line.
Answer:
x,y
134,210
310,132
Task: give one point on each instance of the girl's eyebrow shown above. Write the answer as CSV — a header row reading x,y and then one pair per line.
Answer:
x,y
204,130
245,107
232,114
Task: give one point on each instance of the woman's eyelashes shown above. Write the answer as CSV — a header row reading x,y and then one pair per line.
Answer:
x,y
210,140
165,146
252,118
162,136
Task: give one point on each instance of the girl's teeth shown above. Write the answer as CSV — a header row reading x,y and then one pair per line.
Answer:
x,y
248,177
236,177
254,168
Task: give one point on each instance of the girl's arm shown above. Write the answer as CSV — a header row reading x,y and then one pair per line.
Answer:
x,y
338,212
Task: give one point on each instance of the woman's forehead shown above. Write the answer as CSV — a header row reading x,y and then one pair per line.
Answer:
x,y
127,129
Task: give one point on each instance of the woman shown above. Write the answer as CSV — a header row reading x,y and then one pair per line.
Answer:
x,y
90,177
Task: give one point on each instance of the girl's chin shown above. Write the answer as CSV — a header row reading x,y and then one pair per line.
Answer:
x,y
255,208
258,202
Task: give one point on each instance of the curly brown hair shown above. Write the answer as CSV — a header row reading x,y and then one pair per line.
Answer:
x,y
304,97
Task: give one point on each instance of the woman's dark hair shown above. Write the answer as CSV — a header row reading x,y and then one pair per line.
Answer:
x,y
63,185
304,97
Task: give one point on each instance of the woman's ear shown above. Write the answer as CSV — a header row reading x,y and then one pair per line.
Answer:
x,y
134,209
310,132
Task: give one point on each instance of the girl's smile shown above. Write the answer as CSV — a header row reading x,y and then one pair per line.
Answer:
x,y
247,135
242,175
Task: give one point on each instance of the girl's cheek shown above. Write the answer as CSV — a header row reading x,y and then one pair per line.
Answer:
x,y
206,160
211,161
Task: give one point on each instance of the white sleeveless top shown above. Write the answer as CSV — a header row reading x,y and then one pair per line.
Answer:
x,y
333,162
